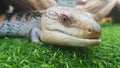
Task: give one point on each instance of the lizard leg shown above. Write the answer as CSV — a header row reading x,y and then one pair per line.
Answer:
x,y
105,11
99,8
34,35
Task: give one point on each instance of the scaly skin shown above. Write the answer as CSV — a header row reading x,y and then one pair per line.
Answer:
x,y
58,25
18,24
70,27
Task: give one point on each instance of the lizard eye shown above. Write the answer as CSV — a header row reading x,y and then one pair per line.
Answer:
x,y
64,18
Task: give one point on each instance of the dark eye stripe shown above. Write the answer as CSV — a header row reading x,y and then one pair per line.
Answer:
x,y
2,19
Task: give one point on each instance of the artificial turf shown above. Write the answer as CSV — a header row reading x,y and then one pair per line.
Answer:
x,y
20,53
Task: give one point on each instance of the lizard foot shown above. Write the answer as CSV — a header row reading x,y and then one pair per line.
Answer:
x,y
34,35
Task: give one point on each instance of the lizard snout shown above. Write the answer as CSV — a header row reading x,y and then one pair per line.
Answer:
x,y
92,32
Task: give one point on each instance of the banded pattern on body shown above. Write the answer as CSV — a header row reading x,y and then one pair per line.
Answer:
x,y
18,24
57,25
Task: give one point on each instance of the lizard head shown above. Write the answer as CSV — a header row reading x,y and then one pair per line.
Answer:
x,y
69,27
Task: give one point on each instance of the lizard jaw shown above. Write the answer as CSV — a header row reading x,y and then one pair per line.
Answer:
x,y
59,38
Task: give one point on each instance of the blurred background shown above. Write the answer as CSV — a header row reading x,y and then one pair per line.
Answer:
x,y
72,3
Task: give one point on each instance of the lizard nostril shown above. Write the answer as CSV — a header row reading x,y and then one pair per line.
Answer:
x,y
92,32
89,30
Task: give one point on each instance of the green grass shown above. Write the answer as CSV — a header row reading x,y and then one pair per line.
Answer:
x,y
19,53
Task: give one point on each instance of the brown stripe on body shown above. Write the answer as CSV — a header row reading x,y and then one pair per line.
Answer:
x,y
29,16
13,18
22,18
2,18
26,16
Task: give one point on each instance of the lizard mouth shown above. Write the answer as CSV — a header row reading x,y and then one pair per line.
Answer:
x,y
60,38
80,42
